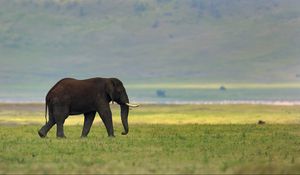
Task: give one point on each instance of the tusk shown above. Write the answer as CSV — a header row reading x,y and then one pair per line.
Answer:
x,y
132,105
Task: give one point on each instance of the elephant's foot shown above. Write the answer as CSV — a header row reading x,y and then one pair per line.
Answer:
x,y
83,136
61,137
111,136
42,134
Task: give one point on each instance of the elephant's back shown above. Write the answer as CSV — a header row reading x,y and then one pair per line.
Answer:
x,y
61,83
70,88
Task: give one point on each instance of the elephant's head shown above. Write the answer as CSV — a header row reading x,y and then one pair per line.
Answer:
x,y
116,92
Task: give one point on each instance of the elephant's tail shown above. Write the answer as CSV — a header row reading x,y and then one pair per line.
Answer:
x,y
46,107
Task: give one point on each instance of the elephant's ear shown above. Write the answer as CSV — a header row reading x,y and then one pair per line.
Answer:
x,y
110,89
114,88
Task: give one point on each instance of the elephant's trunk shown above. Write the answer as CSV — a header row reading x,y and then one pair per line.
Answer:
x,y
124,118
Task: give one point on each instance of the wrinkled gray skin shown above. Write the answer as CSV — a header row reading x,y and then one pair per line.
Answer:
x,y
71,97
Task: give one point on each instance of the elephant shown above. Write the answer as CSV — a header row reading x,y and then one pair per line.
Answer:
x,y
70,96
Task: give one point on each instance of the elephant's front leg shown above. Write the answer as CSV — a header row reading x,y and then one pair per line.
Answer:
x,y
106,116
88,121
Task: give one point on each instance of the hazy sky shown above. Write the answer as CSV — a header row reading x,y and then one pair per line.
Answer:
x,y
198,41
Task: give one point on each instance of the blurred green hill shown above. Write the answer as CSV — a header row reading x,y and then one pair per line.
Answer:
x,y
202,41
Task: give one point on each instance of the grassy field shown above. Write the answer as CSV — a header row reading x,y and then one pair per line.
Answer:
x,y
162,139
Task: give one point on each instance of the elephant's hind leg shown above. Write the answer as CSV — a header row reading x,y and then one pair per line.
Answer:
x,y
60,129
60,115
88,121
44,130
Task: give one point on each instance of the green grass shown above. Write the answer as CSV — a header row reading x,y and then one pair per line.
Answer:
x,y
164,146
153,149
